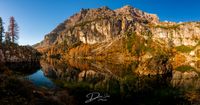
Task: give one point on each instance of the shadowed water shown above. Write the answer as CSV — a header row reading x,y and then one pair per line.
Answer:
x,y
118,84
38,78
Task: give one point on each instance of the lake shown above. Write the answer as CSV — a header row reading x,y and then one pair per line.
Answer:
x,y
94,82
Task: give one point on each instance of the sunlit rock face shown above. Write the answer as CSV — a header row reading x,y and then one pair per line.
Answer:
x,y
187,34
134,13
97,25
100,25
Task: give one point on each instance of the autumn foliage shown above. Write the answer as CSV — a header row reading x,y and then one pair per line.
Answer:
x,y
80,51
13,30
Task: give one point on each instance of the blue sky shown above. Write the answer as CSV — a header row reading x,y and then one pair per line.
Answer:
x,y
38,17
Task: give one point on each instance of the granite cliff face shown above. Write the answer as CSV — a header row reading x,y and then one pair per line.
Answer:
x,y
126,33
97,25
103,24
187,34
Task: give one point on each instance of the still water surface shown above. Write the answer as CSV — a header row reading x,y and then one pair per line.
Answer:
x,y
38,78
118,84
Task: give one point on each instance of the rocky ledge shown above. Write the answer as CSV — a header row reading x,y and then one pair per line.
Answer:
x,y
16,53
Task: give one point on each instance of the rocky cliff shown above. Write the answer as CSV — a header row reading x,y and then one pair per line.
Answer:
x,y
16,53
96,25
123,33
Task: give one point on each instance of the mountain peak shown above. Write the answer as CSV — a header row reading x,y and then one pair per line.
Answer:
x,y
128,10
102,22
127,7
105,8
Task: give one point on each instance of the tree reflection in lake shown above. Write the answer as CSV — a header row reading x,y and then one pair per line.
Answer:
x,y
118,80
23,68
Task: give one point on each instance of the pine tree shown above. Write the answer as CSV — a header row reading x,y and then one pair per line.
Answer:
x,y
1,31
7,38
13,30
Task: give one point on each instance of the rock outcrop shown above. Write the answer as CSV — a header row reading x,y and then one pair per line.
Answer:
x,y
93,26
137,14
14,90
120,35
177,34
16,53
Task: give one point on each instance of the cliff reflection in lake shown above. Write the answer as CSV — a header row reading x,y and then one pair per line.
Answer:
x,y
40,80
120,81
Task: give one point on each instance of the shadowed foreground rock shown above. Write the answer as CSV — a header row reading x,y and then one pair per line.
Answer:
x,y
19,92
16,53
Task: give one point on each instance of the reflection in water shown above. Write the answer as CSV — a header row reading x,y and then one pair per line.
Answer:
x,y
23,68
32,72
40,80
117,80
198,64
